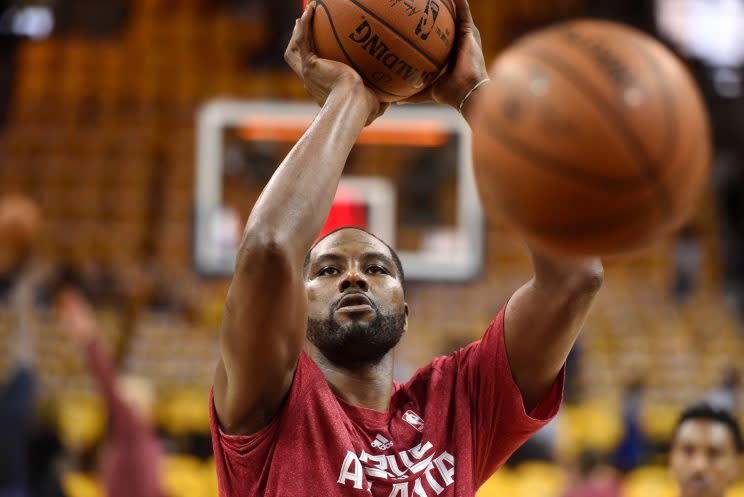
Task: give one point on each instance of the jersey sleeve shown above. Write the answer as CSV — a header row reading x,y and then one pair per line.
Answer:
x,y
499,420
241,458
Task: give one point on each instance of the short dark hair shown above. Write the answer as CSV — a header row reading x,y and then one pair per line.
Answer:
x,y
707,412
393,254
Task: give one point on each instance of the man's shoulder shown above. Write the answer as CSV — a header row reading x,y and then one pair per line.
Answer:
x,y
437,376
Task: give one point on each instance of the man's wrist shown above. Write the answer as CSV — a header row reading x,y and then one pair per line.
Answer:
x,y
465,105
355,90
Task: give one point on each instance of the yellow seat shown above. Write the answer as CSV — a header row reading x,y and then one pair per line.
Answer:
x,y
659,421
737,491
645,482
81,485
596,425
503,483
80,420
185,411
185,476
211,478
536,479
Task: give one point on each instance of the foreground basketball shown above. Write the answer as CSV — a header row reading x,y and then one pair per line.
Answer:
x,y
398,46
591,140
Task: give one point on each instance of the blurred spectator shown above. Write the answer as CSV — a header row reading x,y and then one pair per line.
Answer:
x,y
20,278
132,452
705,452
687,260
726,395
634,447
46,453
17,396
593,478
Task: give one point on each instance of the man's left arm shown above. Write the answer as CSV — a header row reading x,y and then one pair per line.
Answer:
x,y
543,320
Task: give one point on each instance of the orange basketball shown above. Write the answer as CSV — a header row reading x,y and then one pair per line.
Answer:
x,y
20,222
399,47
591,140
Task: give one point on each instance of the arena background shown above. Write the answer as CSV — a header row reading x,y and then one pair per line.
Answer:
x,y
99,105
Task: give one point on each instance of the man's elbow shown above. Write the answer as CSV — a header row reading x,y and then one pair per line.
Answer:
x,y
264,249
587,280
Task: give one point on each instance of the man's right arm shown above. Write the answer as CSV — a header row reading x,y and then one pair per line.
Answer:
x,y
265,318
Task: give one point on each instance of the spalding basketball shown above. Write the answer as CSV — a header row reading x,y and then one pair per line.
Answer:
x,y
592,139
399,47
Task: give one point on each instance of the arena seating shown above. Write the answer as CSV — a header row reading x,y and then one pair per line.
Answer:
x,y
101,134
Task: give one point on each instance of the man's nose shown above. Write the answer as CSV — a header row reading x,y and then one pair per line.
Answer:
x,y
699,464
353,279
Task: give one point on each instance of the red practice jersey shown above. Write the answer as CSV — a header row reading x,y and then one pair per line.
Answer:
x,y
451,426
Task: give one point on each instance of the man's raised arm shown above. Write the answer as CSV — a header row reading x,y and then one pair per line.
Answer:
x,y
544,317
263,328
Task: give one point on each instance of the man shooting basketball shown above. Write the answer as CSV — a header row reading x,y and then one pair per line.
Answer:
x,y
304,402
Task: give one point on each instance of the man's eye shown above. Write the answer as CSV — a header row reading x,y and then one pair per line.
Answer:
x,y
375,269
328,271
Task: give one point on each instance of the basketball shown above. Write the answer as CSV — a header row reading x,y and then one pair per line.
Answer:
x,y
20,222
591,140
399,47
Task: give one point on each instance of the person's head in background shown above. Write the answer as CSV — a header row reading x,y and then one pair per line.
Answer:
x,y
20,227
705,454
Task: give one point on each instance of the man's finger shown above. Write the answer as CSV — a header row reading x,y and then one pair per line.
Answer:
x,y
464,16
298,44
292,54
305,27
421,97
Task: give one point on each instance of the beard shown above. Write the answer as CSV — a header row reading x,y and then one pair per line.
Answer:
x,y
356,344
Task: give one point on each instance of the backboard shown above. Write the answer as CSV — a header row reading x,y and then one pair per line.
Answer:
x,y
408,180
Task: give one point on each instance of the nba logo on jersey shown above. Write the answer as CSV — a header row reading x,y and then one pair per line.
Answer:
x,y
381,443
414,420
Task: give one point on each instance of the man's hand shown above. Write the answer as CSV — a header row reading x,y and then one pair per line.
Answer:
x,y
322,76
76,316
467,66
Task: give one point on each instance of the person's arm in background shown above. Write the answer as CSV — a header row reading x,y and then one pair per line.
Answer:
x,y
22,309
78,322
544,317
263,329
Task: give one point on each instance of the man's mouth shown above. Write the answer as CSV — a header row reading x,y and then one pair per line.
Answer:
x,y
697,485
354,302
